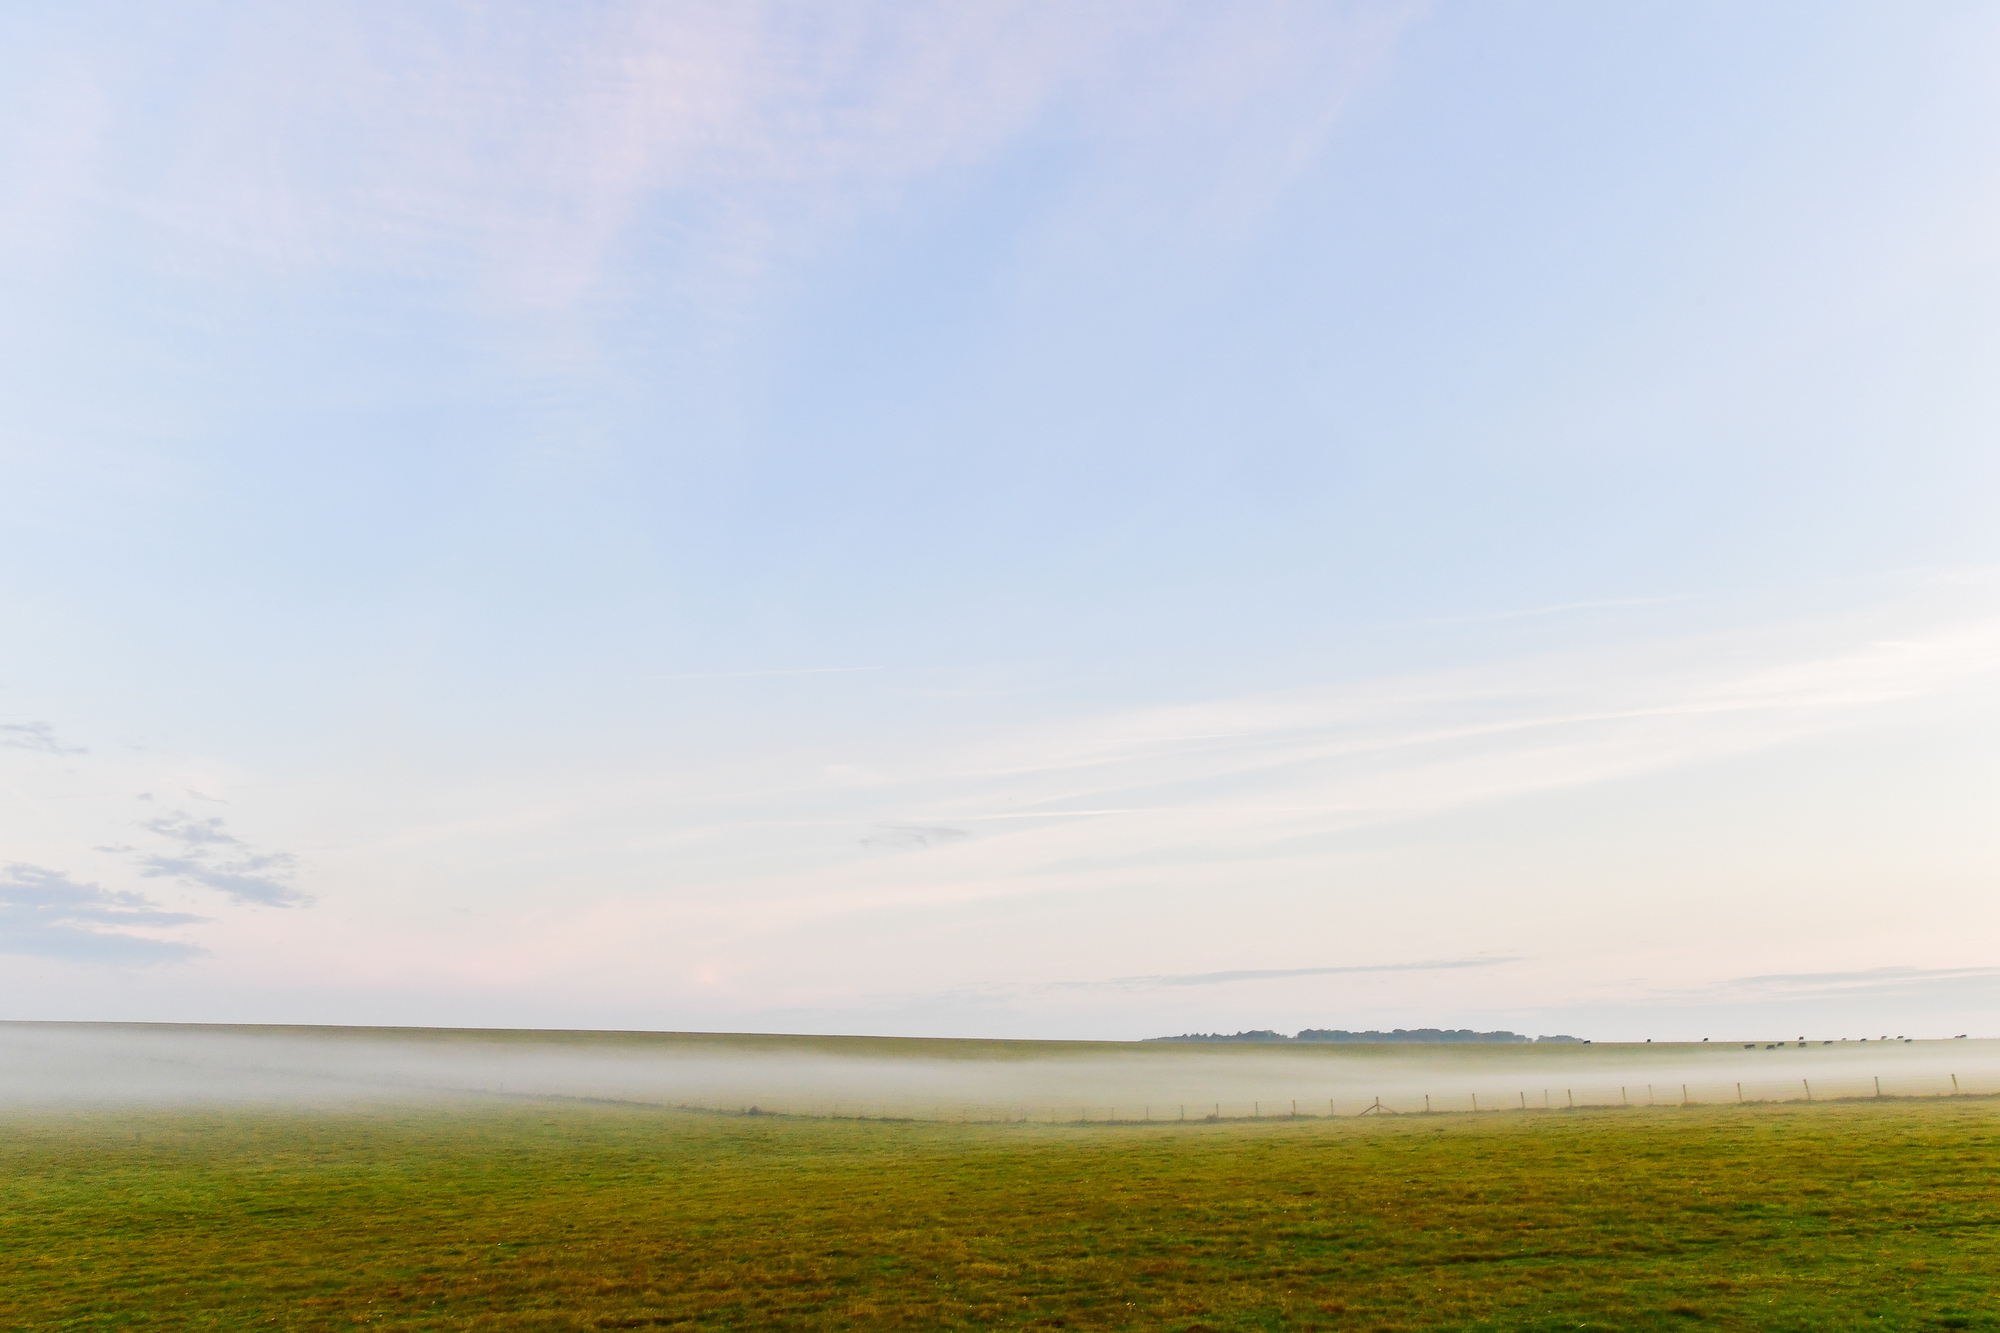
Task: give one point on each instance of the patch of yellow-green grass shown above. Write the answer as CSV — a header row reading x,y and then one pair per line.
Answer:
x,y
547,1216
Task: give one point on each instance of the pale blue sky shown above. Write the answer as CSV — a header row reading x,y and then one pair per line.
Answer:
x,y
945,519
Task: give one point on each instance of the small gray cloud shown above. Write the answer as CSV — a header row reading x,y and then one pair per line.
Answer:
x,y
185,828
233,878
214,858
1274,974
35,736
46,914
912,835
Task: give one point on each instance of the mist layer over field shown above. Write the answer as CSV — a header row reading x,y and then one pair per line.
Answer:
x,y
53,1064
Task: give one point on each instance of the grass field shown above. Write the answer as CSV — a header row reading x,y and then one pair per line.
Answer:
x,y
533,1215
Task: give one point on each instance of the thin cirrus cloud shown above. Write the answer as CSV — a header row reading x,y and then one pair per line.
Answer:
x,y
1142,984
1416,745
1284,973
1877,981
1193,794
907,835
536,151
46,914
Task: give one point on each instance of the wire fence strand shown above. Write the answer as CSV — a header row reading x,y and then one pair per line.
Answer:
x,y
1483,1101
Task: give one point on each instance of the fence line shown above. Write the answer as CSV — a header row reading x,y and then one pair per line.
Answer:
x,y
1542,1102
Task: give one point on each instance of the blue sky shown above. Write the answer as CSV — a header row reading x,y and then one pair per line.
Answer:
x,y
984,521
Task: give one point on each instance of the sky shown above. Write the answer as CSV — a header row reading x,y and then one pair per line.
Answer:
x,y
1010,520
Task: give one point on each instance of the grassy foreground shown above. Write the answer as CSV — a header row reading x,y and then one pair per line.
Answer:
x,y
537,1216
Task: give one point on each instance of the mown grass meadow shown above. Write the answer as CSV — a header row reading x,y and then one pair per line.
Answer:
x,y
528,1215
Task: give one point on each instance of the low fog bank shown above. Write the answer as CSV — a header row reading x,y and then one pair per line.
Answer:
x,y
67,1064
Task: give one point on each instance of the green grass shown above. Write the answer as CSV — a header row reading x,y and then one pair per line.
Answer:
x,y
564,1216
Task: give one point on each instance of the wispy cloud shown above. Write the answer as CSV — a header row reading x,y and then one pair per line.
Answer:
x,y
46,914
1870,982
1009,991
532,149
189,831
907,835
780,671
213,857
1278,974
1557,609
1415,745
35,736
1190,797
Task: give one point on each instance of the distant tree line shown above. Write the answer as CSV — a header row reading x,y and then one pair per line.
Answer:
x,y
1341,1034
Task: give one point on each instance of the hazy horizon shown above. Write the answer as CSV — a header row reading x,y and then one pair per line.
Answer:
x,y
52,1066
